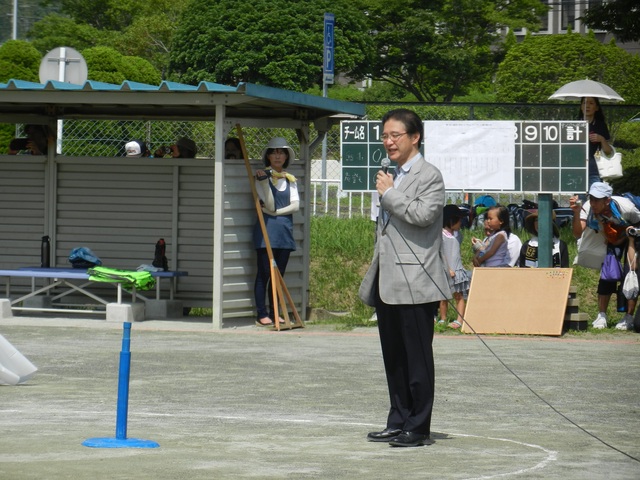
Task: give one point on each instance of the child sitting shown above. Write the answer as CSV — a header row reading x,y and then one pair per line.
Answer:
x,y
496,250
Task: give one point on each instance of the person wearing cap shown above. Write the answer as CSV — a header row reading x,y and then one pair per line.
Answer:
x,y
460,277
279,198
529,252
610,216
133,149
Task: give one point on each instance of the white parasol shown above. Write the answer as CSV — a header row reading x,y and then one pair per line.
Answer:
x,y
586,88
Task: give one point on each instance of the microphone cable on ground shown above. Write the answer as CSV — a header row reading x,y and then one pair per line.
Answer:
x,y
536,394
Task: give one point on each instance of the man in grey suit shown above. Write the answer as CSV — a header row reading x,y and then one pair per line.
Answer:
x,y
407,279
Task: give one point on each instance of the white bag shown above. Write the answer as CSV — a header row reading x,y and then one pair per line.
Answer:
x,y
592,249
609,167
630,285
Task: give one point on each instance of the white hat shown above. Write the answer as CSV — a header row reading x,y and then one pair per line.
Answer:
x,y
133,149
278,142
600,190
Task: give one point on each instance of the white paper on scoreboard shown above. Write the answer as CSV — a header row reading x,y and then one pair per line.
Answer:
x,y
472,155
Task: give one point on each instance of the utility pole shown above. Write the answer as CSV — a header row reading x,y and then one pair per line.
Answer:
x,y
14,21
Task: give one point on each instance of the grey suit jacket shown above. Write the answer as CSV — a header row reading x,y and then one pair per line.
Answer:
x,y
408,244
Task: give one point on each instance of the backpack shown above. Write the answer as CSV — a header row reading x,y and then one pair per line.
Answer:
x,y
82,257
635,199
160,257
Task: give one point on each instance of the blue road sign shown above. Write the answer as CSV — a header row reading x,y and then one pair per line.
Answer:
x,y
329,24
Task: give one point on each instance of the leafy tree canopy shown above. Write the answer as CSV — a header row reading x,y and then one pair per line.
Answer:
x,y
56,31
109,14
19,60
535,68
108,65
620,17
272,42
133,27
437,50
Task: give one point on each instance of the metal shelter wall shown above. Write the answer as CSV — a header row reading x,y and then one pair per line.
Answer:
x,y
129,191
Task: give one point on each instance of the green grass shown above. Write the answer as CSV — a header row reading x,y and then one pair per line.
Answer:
x,y
341,250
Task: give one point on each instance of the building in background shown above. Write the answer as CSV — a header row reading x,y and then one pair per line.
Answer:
x,y
564,15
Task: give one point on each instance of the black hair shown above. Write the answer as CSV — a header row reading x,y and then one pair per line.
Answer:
x,y
503,216
450,216
235,141
144,150
187,148
38,134
409,118
267,163
598,116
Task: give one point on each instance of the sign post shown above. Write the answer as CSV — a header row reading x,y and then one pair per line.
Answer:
x,y
63,64
327,78
328,64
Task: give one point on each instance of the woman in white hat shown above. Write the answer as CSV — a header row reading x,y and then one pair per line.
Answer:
x,y
278,192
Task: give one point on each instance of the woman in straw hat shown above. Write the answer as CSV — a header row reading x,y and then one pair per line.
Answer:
x,y
278,192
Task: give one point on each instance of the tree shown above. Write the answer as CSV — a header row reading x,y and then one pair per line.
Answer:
x,y
133,27
57,31
620,17
150,38
107,65
535,68
272,42
19,60
105,14
438,51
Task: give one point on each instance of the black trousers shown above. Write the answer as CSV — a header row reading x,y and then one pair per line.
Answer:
x,y
263,278
406,338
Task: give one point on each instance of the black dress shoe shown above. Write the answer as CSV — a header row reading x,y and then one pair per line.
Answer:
x,y
409,439
384,436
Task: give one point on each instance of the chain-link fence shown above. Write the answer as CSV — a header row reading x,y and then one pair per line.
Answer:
x,y
108,138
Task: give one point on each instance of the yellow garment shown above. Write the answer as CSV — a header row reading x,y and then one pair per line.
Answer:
x,y
275,176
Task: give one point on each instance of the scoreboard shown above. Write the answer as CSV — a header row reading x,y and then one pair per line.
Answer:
x,y
549,156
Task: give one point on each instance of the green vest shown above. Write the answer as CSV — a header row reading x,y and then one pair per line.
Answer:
x,y
128,278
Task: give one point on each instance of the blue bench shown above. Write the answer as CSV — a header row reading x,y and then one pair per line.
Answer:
x,y
76,281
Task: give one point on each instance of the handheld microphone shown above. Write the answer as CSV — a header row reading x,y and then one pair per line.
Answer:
x,y
384,164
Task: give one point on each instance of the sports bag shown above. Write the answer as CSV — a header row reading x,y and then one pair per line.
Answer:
x,y
611,268
83,257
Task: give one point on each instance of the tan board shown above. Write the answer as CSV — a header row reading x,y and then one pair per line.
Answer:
x,y
529,301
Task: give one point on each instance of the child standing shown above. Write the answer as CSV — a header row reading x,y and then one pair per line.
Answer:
x,y
460,278
496,252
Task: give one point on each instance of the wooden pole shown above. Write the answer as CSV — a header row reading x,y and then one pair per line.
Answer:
x,y
279,291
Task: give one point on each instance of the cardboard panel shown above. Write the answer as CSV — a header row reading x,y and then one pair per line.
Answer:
x,y
529,301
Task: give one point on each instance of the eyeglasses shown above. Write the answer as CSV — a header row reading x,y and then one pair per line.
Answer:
x,y
393,136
